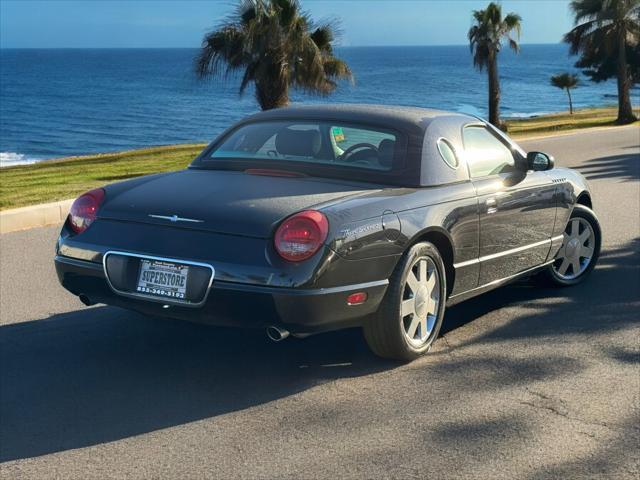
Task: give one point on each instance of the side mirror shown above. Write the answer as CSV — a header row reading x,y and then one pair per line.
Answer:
x,y
538,161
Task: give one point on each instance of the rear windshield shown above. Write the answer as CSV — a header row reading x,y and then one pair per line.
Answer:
x,y
320,143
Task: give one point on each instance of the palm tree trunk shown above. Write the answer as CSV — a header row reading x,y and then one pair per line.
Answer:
x,y
494,89
272,93
625,111
570,102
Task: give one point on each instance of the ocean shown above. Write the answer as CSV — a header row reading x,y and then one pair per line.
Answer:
x,y
57,103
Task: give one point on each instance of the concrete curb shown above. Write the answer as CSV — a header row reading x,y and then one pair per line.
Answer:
x,y
34,216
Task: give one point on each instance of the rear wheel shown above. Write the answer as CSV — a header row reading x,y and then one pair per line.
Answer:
x,y
580,249
410,316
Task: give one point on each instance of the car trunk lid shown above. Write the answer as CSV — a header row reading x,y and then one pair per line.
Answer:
x,y
228,202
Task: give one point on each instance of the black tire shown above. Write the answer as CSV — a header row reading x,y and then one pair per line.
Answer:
x,y
385,332
551,277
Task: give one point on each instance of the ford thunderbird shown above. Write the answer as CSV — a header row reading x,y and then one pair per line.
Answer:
x,y
307,219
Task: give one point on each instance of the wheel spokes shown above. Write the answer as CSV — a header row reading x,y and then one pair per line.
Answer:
x,y
575,264
586,252
431,282
577,249
423,327
407,307
584,236
431,309
413,282
421,297
565,265
562,252
575,227
422,271
413,326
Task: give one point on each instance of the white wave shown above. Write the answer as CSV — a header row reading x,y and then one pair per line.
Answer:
x,y
527,115
10,159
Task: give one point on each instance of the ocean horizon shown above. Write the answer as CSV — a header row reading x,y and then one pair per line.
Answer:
x,y
66,102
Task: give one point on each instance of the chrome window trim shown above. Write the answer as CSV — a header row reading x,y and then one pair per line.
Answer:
x,y
453,150
503,139
493,256
166,301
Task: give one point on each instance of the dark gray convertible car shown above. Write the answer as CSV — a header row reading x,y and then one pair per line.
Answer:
x,y
308,219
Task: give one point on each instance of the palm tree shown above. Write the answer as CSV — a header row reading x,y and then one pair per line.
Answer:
x,y
485,39
278,46
606,29
566,81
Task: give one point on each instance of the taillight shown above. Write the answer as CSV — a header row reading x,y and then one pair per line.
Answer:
x,y
301,235
85,209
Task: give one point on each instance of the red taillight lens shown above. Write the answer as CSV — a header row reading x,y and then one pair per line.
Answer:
x,y
302,235
85,209
357,298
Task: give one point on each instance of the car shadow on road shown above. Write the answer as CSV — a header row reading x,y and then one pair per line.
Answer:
x,y
508,355
610,291
102,374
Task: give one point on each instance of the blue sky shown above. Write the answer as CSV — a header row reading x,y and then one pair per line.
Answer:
x,y
169,23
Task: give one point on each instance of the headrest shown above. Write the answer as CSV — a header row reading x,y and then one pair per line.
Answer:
x,y
385,152
302,143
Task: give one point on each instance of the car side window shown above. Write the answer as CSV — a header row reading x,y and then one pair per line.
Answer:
x,y
485,154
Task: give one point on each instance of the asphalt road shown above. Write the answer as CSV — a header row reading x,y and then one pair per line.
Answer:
x,y
524,383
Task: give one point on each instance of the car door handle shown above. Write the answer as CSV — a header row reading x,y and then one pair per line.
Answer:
x,y
491,205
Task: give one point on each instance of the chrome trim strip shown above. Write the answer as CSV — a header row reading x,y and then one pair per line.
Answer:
x,y
497,283
467,263
266,289
166,301
493,256
175,218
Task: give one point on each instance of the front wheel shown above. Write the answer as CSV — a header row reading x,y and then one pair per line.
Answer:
x,y
410,316
580,249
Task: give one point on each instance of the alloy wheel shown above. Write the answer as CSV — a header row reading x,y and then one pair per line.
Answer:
x,y
420,301
577,249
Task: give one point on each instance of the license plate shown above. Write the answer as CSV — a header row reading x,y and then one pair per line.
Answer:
x,y
162,279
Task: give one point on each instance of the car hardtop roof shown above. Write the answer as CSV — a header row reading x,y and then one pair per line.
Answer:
x,y
384,115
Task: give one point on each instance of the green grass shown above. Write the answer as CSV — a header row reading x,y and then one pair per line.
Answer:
x,y
66,178
563,122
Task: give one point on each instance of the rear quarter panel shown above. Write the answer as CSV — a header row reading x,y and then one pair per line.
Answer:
x,y
381,226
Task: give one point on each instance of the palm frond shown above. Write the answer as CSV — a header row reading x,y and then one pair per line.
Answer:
x,y
565,80
247,11
221,52
278,46
326,34
287,11
338,69
586,9
513,22
514,45
489,30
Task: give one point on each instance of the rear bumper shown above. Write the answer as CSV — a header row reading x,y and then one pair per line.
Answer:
x,y
235,304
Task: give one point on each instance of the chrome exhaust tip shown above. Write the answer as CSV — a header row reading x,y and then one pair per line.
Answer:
x,y
277,334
